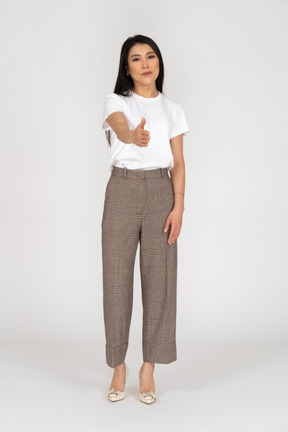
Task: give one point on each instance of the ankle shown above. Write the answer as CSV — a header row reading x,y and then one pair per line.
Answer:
x,y
148,367
120,368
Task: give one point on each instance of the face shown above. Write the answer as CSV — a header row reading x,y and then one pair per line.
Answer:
x,y
142,59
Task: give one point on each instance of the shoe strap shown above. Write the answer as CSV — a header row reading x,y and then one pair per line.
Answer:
x,y
149,395
114,391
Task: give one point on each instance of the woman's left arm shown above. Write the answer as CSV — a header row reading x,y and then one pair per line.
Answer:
x,y
178,179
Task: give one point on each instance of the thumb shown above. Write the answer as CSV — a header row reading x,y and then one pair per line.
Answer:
x,y
142,123
167,224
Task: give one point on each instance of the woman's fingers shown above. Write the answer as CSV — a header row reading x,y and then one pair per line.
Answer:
x,y
174,234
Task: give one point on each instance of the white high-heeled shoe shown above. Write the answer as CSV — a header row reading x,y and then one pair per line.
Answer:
x,y
147,397
117,395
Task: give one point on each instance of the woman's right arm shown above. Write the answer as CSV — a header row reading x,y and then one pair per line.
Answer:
x,y
119,124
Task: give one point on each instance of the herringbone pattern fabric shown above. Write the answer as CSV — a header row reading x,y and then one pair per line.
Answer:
x,y
137,204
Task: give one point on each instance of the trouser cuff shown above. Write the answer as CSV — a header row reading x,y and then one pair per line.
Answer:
x,y
159,353
116,355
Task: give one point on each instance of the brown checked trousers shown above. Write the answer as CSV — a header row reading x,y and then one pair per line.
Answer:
x,y
137,204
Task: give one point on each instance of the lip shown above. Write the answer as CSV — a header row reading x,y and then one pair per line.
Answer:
x,y
147,73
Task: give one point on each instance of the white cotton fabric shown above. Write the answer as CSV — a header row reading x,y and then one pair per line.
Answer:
x,y
165,119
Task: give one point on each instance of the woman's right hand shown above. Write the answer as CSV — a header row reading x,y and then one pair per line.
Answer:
x,y
140,136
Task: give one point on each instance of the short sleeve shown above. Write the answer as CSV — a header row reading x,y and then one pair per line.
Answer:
x,y
179,123
112,103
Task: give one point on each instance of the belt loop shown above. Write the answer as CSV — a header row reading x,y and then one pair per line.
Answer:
x,y
125,172
162,172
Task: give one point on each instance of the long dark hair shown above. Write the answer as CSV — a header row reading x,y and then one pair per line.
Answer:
x,y
124,82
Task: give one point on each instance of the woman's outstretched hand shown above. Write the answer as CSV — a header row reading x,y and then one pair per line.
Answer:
x,y
140,136
175,219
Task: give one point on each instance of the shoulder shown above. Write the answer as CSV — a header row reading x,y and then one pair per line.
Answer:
x,y
114,97
173,105
170,101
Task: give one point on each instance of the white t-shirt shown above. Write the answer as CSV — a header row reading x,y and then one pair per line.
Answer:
x,y
165,119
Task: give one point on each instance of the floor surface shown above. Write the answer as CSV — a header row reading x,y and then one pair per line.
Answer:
x,y
61,386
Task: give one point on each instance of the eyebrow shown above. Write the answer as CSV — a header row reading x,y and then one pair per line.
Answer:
x,y
134,55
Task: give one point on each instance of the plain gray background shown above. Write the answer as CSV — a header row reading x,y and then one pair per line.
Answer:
x,y
226,63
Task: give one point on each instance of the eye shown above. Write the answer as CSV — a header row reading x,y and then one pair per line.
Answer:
x,y
150,56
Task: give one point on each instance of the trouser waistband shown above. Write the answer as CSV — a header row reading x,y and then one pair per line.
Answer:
x,y
125,172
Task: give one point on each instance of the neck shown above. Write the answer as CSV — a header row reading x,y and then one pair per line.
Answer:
x,y
148,93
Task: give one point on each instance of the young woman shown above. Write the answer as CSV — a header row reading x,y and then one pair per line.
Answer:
x,y
144,202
